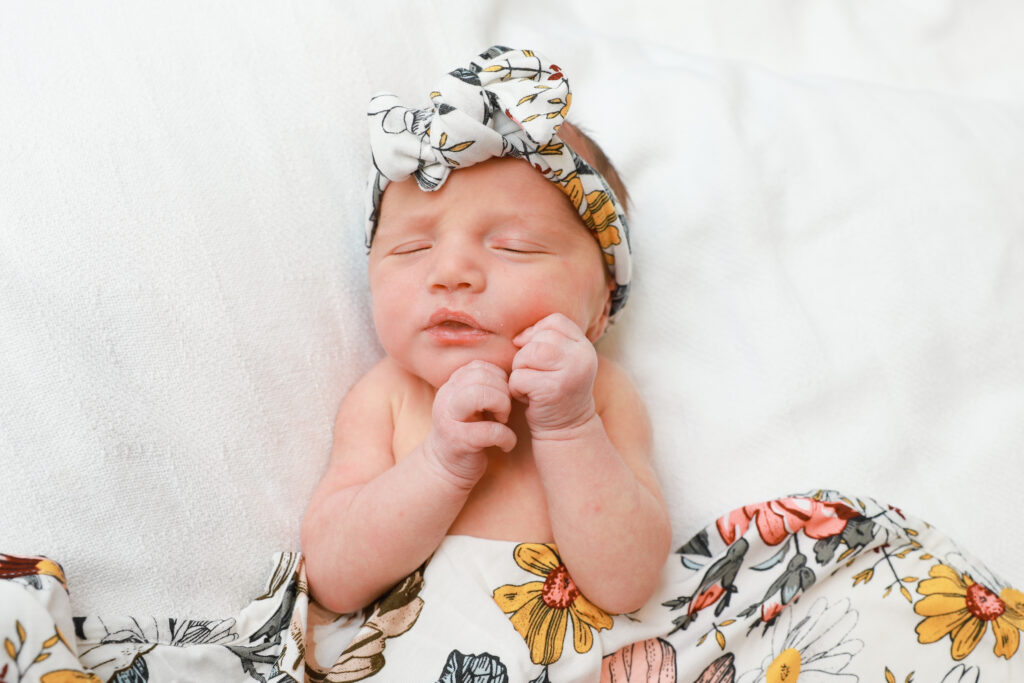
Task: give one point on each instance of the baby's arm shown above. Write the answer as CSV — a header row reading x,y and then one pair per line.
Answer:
x,y
607,513
372,521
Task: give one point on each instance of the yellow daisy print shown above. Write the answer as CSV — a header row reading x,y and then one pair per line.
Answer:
x,y
956,606
540,610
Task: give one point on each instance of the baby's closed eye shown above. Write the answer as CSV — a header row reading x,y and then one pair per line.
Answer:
x,y
518,246
411,247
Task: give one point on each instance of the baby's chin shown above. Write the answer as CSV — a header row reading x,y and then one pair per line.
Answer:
x,y
438,374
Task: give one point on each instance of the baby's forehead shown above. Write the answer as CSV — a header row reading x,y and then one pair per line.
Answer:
x,y
499,189
408,213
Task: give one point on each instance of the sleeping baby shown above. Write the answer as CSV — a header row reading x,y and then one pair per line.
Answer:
x,y
491,416
490,513
490,504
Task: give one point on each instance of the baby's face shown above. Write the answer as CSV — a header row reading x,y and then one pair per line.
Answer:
x,y
456,274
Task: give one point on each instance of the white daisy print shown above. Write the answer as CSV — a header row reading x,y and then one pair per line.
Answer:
x,y
812,648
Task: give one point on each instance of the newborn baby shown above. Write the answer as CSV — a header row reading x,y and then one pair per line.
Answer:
x,y
491,415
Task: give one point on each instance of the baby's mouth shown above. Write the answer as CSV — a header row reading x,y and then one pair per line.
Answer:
x,y
455,327
450,319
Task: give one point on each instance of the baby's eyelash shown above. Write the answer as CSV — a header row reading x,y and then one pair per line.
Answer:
x,y
518,247
404,249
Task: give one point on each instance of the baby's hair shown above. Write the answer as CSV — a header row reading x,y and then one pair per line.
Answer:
x,y
595,156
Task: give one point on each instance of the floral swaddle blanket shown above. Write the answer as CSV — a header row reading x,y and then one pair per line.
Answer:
x,y
815,588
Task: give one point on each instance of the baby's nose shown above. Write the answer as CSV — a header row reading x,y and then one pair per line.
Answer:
x,y
456,270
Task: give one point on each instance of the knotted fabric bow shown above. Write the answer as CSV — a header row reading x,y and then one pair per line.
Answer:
x,y
505,103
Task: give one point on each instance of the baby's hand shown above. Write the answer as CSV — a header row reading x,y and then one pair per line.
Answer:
x,y
469,415
553,373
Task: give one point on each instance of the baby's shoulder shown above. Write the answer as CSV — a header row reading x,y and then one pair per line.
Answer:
x,y
386,372
613,386
387,381
622,411
611,376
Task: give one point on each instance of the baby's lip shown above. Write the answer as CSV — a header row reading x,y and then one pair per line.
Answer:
x,y
444,315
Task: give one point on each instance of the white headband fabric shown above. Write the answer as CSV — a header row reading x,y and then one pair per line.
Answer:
x,y
506,103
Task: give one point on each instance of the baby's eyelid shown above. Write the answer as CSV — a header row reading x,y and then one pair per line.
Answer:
x,y
410,247
519,246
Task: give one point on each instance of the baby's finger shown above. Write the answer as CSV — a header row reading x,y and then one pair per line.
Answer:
x,y
472,401
493,397
556,337
524,382
517,390
529,334
476,371
560,323
523,338
481,435
539,355
497,402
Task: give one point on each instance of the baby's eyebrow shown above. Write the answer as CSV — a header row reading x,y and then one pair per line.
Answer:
x,y
413,221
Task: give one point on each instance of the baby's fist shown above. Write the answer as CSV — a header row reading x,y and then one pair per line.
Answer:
x,y
469,415
553,373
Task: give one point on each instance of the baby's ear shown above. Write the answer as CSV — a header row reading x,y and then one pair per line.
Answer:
x,y
600,326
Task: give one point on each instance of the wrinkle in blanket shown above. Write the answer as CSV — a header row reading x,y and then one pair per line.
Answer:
x,y
814,587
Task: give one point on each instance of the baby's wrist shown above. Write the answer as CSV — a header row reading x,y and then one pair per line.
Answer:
x,y
461,472
580,427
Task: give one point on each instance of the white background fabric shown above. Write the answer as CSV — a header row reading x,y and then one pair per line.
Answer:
x,y
828,231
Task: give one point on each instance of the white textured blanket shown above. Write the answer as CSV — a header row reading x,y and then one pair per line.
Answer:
x,y
827,222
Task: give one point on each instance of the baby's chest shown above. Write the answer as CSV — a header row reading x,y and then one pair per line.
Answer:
x,y
508,503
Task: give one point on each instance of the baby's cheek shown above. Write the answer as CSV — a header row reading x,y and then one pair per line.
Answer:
x,y
535,307
567,298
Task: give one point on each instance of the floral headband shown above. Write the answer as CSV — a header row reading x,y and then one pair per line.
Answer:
x,y
507,103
